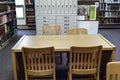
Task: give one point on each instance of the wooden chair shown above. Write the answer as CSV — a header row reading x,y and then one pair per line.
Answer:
x,y
113,71
39,62
85,61
75,31
51,29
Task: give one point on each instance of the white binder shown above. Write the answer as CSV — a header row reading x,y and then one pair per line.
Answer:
x,y
45,6
49,7
66,6
58,4
37,8
41,2
62,6
70,6
74,7
53,7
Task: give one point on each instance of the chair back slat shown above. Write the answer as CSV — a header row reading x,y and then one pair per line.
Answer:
x,y
46,61
113,71
51,29
74,31
78,60
39,59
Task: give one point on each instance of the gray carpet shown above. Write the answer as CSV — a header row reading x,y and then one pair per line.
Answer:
x,y
113,35
6,70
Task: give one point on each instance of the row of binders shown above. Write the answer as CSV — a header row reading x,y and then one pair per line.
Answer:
x,y
109,1
56,6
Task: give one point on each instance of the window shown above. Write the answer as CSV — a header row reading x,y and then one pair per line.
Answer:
x,y
19,9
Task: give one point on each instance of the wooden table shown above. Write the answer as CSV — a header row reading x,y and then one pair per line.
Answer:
x,y
62,43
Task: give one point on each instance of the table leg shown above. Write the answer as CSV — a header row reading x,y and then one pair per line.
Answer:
x,y
14,65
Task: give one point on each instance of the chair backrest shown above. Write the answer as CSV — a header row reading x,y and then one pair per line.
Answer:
x,y
86,60
38,61
113,71
51,29
75,31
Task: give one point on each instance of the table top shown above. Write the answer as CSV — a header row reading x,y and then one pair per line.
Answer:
x,y
63,42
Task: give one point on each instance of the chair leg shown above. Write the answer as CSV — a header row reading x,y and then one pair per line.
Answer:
x,y
69,76
61,58
26,77
54,76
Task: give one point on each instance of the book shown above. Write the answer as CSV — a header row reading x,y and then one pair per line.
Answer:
x,y
115,0
2,30
3,18
92,12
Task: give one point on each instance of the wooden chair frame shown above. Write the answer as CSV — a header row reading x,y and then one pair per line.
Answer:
x,y
85,61
39,62
113,71
51,29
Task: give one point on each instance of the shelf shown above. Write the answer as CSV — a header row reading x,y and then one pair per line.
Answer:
x,y
31,24
86,2
109,24
30,13
8,22
110,14
109,17
102,2
29,4
6,3
114,3
29,10
109,10
6,12
30,16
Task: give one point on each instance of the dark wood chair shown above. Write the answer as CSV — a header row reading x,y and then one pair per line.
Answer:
x,y
39,62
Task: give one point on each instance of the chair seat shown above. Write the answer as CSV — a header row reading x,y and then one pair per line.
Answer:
x,y
82,71
40,73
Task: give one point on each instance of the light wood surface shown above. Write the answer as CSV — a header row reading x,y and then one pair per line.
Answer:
x,y
61,43
113,71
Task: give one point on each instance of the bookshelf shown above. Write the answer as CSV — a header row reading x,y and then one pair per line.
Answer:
x,y
109,16
8,21
30,14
